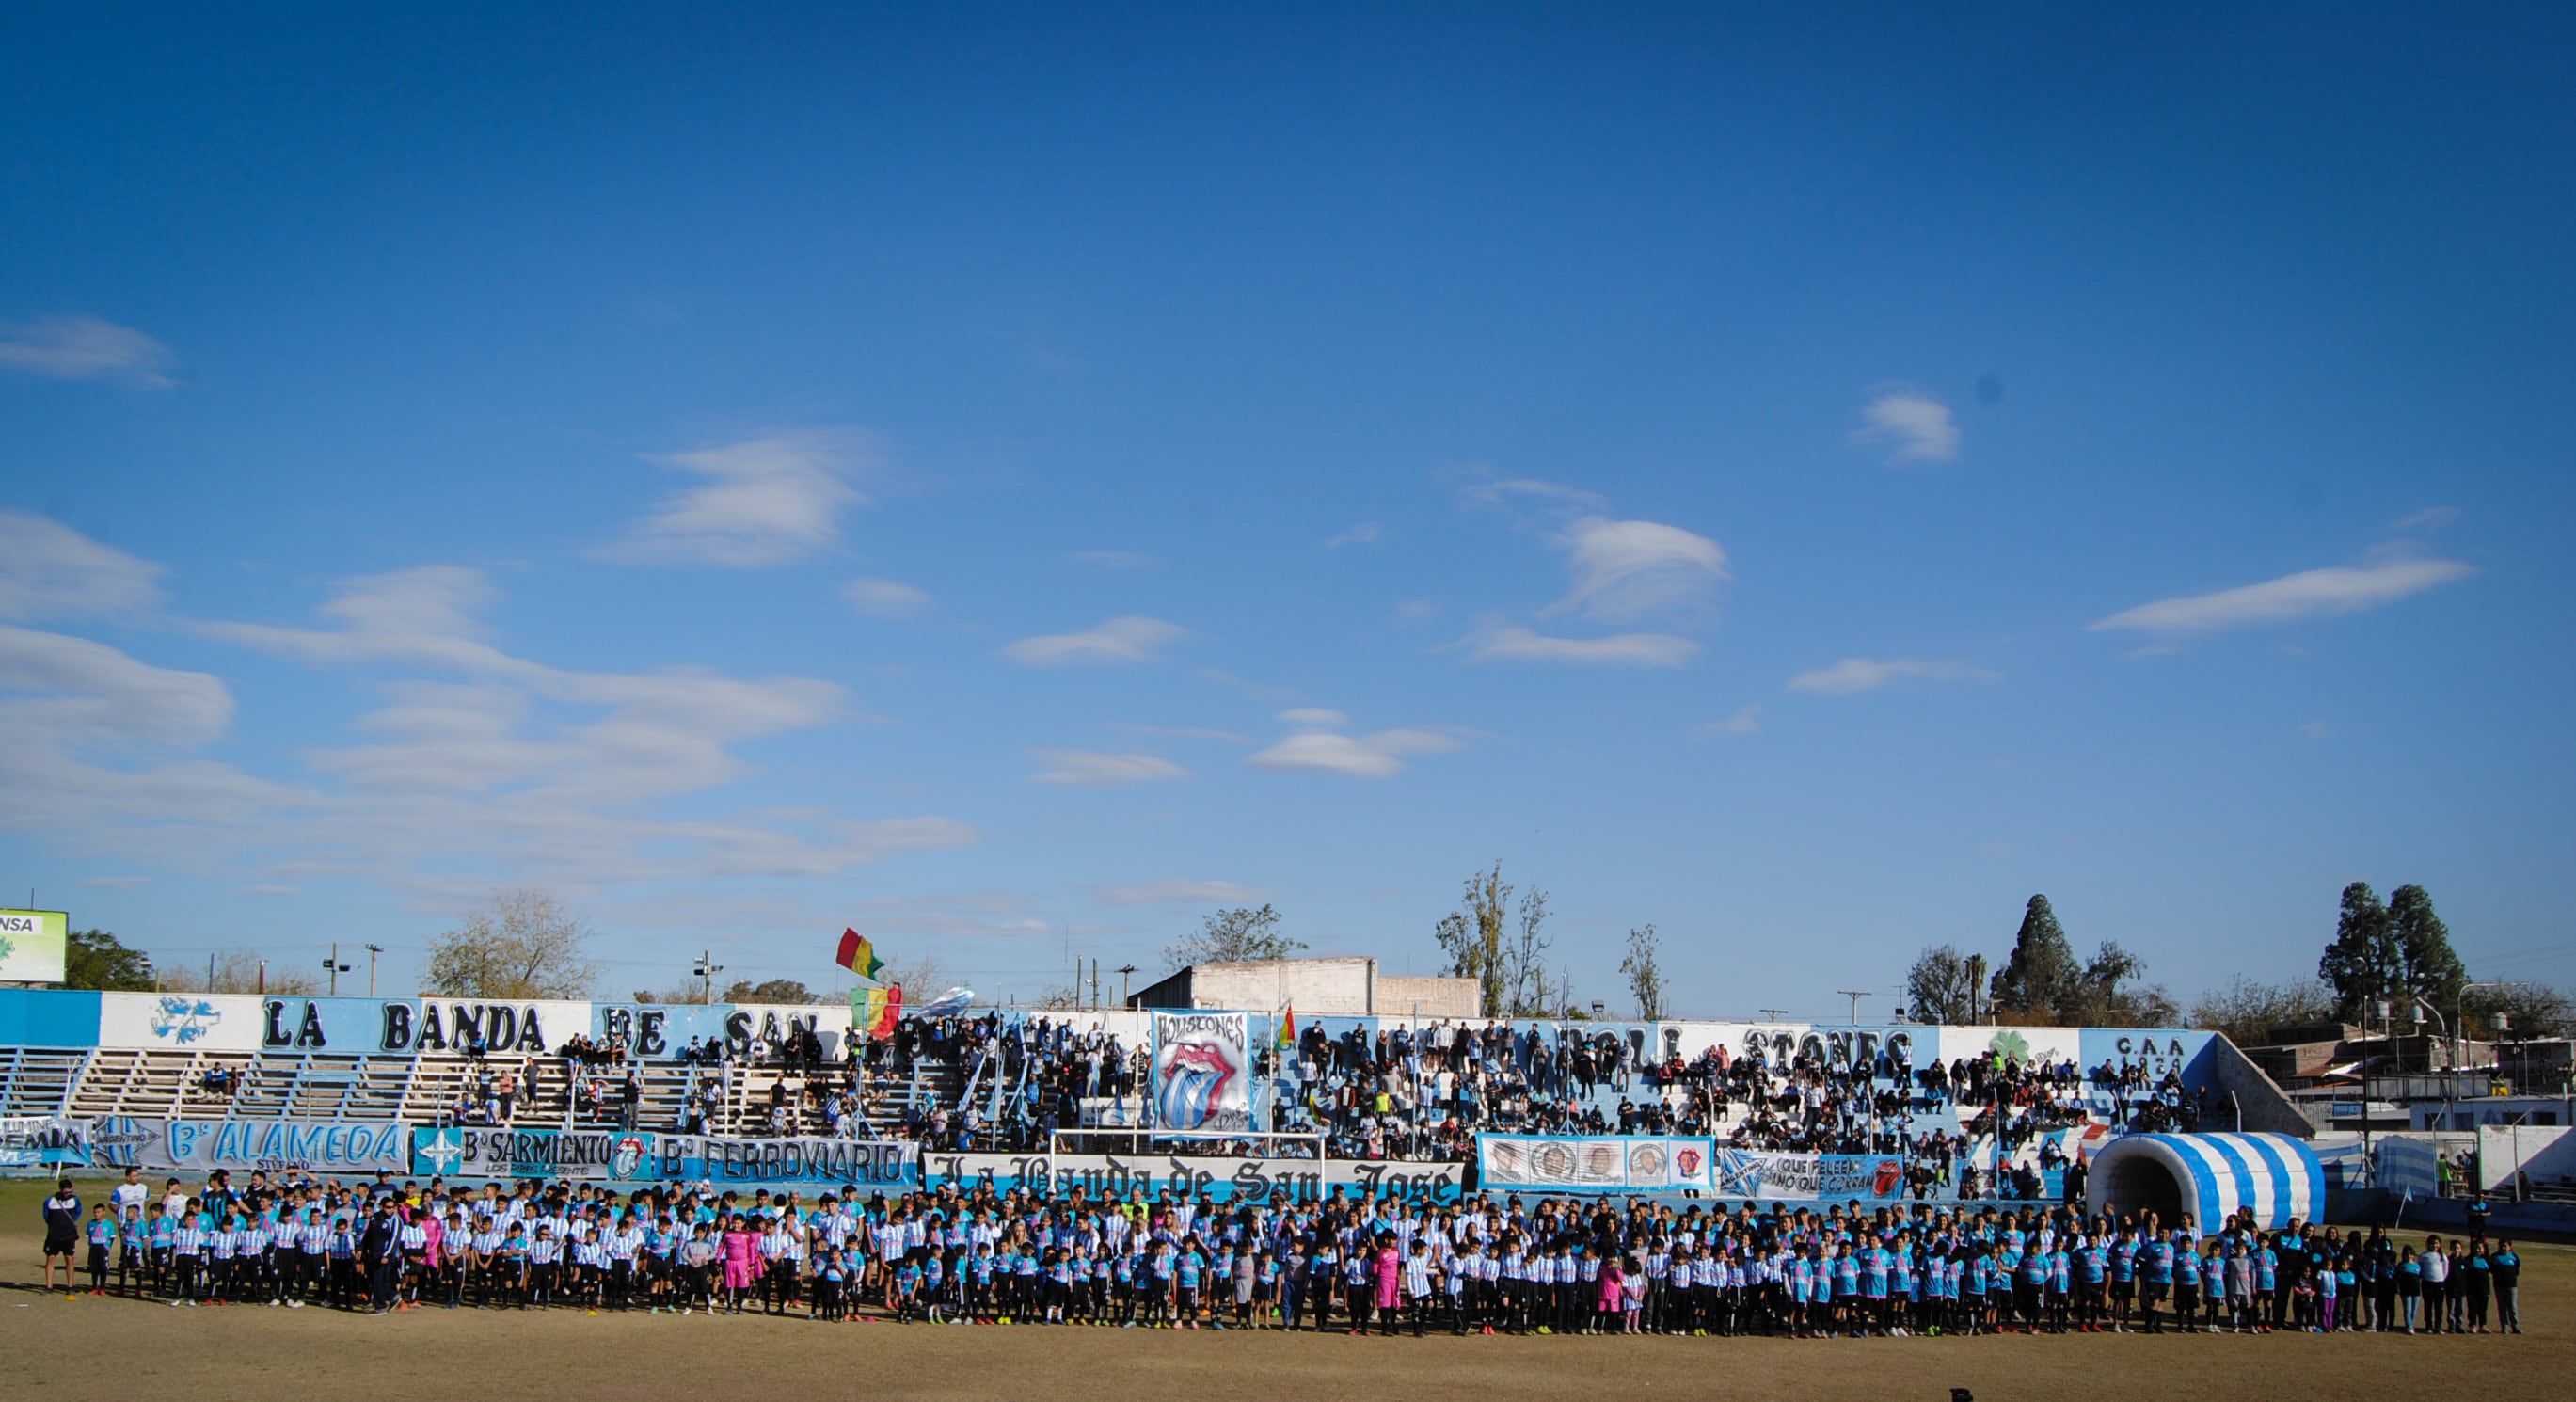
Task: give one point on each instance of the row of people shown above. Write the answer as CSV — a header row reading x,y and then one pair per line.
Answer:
x,y
1485,1265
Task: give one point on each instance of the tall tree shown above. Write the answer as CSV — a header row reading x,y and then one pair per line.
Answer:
x,y
2363,964
2042,974
1238,936
1525,962
1943,985
2427,968
522,944
1472,937
1645,973
2528,1011
97,959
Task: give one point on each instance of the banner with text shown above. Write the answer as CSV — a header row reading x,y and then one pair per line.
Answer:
x,y
1202,1072
315,1146
688,1158
617,1155
1230,1180
1788,1177
43,1141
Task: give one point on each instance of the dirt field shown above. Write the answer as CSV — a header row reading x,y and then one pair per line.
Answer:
x,y
84,1348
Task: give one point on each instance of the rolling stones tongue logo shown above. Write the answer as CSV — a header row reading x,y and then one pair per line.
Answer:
x,y
1195,1077
1890,1173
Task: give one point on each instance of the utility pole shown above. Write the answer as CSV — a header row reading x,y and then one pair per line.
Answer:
x,y
263,978
1095,983
335,968
372,951
1855,994
706,972
1126,978
1771,1014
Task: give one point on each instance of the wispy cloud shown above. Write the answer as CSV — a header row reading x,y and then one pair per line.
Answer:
x,y
1513,643
1127,639
114,883
2308,594
1092,768
1485,488
1186,732
2431,518
766,501
1111,559
1319,744
1745,721
82,347
1911,425
884,598
2312,730
1180,892
269,889
1626,569
1857,674
1365,533
49,570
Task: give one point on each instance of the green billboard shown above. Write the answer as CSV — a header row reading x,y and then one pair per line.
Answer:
x,y
32,945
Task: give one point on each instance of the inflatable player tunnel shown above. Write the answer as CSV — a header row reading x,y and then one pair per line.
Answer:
x,y
2208,1177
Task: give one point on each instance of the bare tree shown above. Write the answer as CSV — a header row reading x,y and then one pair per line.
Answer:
x,y
1525,963
523,944
1472,937
923,976
1645,973
1944,985
237,971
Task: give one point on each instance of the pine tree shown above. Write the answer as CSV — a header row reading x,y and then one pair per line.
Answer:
x,y
2363,964
2042,975
2427,968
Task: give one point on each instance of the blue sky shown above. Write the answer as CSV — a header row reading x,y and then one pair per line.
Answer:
x,y
1014,480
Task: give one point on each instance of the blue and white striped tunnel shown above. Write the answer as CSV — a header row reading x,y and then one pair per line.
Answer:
x,y
2210,1177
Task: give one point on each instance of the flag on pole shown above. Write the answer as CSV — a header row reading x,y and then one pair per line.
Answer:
x,y
875,1011
1288,1029
857,955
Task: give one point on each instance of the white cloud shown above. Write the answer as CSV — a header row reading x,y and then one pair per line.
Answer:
x,y
514,770
1483,488
1093,768
1180,892
1126,639
2312,730
767,501
884,598
1111,559
114,883
1513,643
1315,718
1365,533
2307,594
102,737
1624,569
49,570
1914,426
81,347
2431,518
1857,674
1745,721
1375,756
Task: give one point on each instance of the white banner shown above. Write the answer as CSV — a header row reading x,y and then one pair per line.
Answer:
x,y
1593,1163
1119,1177
1202,1072
226,1022
34,1141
